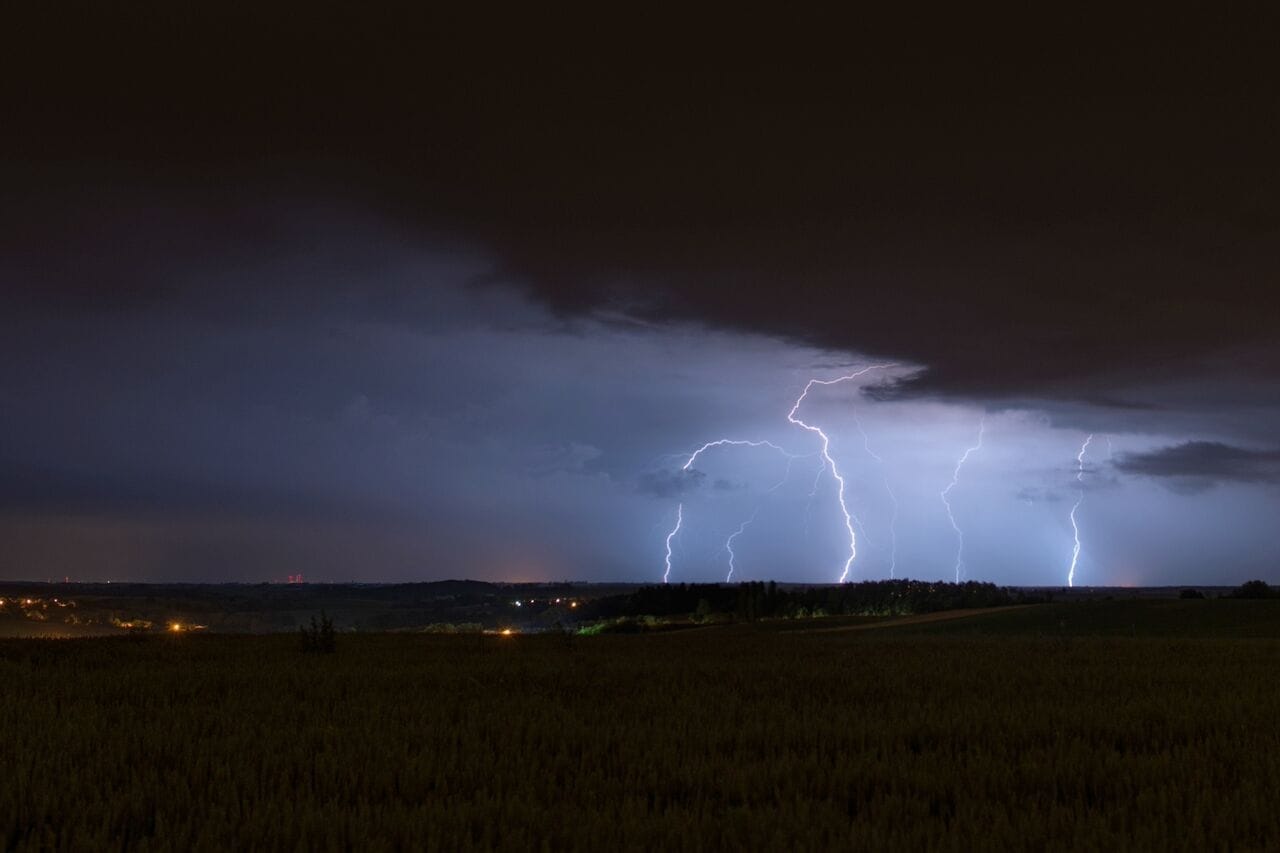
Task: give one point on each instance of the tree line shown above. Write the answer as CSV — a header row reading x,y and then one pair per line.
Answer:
x,y
759,600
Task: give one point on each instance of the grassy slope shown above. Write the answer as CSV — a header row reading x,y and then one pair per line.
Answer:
x,y
992,731
1207,618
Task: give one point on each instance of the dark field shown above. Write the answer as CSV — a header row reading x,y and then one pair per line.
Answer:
x,y
1105,724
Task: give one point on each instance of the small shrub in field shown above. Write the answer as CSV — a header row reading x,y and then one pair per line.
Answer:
x,y
318,637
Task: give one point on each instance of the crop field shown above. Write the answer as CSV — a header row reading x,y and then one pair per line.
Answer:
x,y
1107,725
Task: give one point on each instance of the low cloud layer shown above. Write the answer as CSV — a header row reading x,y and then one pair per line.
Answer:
x,y
1199,465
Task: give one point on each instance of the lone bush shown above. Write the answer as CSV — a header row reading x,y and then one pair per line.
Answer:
x,y
319,637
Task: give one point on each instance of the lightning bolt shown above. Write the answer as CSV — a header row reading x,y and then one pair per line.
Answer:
x,y
1075,528
666,575
721,442
828,461
728,543
893,499
955,478
688,463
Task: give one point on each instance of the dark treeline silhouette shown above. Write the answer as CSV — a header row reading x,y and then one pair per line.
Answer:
x,y
759,600
1255,589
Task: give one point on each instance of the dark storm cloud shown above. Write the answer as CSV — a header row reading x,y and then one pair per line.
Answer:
x,y
1023,206
461,292
1199,465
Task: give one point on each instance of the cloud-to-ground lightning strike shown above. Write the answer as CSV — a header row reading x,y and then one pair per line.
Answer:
x,y
955,478
728,543
688,463
666,575
893,499
827,463
1075,527
830,462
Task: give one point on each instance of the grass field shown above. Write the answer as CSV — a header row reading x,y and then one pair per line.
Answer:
x,y
1111,724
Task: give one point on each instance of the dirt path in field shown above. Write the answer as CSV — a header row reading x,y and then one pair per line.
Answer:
x,y
941,616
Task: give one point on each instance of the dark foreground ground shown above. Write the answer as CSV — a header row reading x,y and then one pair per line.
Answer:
x,y
1084,725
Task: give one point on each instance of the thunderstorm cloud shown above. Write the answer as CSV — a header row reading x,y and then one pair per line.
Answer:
x,y
266,322
1200,465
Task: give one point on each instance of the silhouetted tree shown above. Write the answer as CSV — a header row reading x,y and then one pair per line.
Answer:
x,y
319,637
1254,589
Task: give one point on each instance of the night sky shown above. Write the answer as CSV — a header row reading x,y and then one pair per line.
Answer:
x,y
383,298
